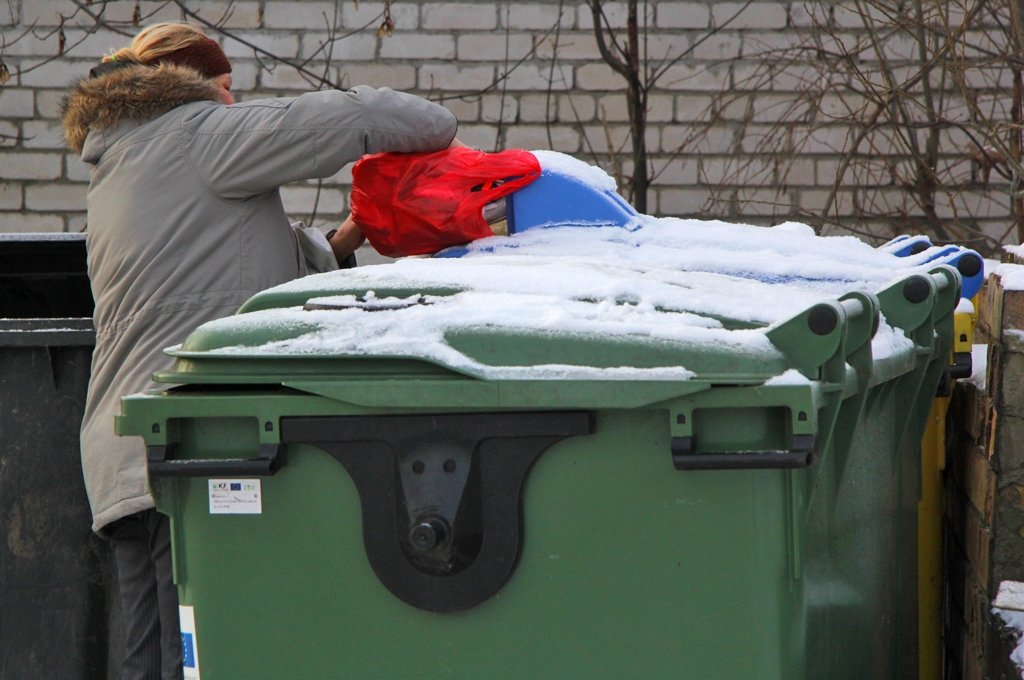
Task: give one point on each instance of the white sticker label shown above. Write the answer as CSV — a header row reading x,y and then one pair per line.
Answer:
x,y
235,497
189,646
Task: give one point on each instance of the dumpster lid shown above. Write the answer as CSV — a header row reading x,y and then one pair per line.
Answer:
x,y
666,299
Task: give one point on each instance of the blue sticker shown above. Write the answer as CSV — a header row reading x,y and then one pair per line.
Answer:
x,y
188,650
236,486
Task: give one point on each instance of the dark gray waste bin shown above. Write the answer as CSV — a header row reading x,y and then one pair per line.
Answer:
x,y
58,608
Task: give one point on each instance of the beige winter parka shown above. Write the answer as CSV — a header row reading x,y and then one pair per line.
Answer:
x,y
185,221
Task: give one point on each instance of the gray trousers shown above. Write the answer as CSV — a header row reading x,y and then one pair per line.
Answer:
x,y
149,600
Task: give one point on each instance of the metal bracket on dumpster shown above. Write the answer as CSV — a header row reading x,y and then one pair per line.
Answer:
x,y
685,458
441,494
162,464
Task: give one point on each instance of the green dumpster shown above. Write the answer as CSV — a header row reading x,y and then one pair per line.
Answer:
x,y
707,498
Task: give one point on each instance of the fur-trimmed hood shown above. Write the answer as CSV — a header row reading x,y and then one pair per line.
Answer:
x,y
132,93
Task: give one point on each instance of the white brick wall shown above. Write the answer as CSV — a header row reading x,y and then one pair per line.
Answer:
x,y
558,93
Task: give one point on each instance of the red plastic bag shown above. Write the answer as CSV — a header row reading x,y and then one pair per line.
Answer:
x,y
420,203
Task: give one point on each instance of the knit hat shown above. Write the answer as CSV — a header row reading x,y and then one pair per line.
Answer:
x,y
204,56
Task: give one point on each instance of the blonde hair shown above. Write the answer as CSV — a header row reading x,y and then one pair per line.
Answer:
x,y
157,40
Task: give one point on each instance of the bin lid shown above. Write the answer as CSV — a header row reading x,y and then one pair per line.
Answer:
x,y
662,300
44,275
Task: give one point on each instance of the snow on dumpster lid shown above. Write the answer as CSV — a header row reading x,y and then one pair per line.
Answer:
x,y
685,291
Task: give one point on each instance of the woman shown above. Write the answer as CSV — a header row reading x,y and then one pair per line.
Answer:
x,y
185,223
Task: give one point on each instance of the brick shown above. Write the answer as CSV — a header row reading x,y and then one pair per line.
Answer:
x,y
570,47
243,78
702,78
692,107
55,197
576,108
10,134
538,108
757,45
42,43
464,109
93,44
616,15
278,44
494,108
681,202
1013,304
763,202
11,197
562,138
150,12
799,172
75,169
395,76
74,223
598,77
10,14
57,73
538,77
232,15
480,136
404,15
807,16
735,107
22,165
683,15
447,77
718,47
404,46
604,136
712,140
816,201
48,13
284,77
493,46
679,171
30,222
831,139
309,16
660,108
349,47
848,17
48,102
453,16
826,172
729,170
758,15
613,108
43,134
535,16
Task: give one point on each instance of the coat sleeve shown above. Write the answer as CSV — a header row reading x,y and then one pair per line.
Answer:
x,y
246,149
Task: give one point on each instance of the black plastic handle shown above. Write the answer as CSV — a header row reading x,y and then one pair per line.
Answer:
x,y
441,494
685,458
162,464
